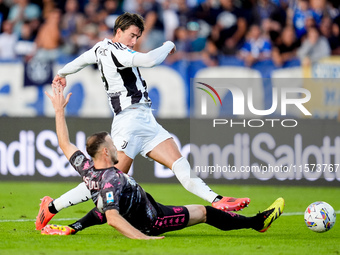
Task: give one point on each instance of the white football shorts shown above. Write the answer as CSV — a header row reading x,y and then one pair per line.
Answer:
x,y
135,130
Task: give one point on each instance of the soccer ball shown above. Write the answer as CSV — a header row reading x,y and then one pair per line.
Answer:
x,y
320,216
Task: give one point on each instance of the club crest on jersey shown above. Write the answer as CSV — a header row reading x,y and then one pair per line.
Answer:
x,y
109,197
78,160
102,51
125,143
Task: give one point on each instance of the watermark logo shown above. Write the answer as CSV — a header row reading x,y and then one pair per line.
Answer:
x,y
243,99
212,89
204,100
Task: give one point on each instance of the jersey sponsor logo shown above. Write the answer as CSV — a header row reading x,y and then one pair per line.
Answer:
x,y
177,209
79,159
109,197
86,165
90,184
115,94
124,144
108,185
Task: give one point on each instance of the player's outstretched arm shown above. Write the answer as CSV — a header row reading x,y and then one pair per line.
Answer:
x,y
154,57
59,103
85,59
115,220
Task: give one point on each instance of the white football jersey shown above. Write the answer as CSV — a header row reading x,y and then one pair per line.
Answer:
x,y
122,80
123,83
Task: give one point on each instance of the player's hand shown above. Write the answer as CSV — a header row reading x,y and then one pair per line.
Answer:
x,y
173,50
154,237
58,100
59,80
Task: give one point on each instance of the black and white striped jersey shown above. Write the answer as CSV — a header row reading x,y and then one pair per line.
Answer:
x,y
122,80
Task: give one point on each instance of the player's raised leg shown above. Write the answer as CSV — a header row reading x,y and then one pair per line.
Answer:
x,y
50,207
167,153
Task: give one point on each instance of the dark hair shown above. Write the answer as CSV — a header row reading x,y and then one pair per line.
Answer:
x,y
126,20
94,141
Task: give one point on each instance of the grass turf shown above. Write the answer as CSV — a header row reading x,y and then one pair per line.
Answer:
x,y
19,204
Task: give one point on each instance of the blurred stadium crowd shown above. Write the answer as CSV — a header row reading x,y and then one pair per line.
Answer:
x,y
204,30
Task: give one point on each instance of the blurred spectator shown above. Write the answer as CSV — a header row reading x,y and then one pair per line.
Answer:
x,y
191,46
326,29
207,11
153,35
184,13
256,48
48,39
300,14
209,55
88,38
112,11
25,46
72,20
181,43
201,29
172,20
313,48
333,8
20,12
187,40
104,31
265,9
319,9
97,5
130,6
195,38
271,30
230,28
7,41
286,48
93,11
336,32
72,23
4,10
47,7
282,3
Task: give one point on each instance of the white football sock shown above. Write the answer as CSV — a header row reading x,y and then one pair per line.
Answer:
x,y
190,181
75,196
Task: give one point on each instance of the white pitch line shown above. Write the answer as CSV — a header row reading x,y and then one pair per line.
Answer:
x,y
298,213
64,219
26,220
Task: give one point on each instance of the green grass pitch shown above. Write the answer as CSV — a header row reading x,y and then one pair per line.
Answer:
x,y
19,204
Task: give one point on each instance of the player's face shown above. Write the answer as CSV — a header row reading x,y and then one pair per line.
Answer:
x,y
129,36
112,150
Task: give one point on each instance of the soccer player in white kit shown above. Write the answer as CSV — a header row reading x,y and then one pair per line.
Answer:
x,y
134,128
